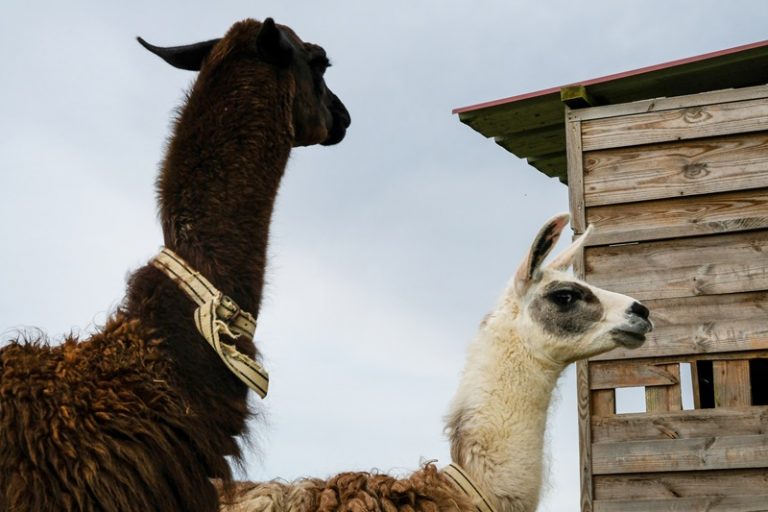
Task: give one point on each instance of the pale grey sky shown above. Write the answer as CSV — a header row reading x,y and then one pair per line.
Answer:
x,y
387,250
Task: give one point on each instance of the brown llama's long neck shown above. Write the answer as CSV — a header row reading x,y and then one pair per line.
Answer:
x,y
498,417
216,191
221,176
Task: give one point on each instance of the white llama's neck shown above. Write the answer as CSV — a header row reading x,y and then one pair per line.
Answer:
x,y
497,418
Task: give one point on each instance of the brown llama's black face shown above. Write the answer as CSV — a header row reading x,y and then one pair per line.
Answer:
x,y
319,116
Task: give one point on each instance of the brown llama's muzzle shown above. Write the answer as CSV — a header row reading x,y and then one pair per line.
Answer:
x,y
341,121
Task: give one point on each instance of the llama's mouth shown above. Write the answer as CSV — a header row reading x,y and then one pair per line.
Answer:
x,y
632,334
627,339
336,134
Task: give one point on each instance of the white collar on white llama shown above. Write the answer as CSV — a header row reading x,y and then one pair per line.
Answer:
x,y
462,480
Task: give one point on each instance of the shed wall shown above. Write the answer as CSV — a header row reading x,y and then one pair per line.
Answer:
x,y
677,191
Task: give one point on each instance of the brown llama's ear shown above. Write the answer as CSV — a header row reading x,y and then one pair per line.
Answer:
x,y
189,57
545,240
272,45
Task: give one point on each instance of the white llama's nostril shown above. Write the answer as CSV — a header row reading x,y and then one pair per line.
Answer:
x,y
640,310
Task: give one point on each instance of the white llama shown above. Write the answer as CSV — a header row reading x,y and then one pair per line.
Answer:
x,y
545,320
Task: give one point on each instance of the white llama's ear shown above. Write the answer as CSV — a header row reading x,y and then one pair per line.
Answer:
x,y
542,245
565,258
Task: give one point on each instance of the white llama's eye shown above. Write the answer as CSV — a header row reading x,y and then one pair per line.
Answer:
x,y
563,298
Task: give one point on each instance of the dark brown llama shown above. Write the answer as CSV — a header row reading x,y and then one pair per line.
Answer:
x,y
142,414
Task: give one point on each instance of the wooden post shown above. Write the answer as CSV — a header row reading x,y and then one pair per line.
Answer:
x,y
665,398
575,171
576,96
585,434
578,224
603,402
732,387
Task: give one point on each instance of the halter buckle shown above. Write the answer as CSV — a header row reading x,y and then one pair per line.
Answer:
x,y
229,310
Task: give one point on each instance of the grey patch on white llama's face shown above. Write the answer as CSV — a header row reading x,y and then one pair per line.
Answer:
x,y
566,308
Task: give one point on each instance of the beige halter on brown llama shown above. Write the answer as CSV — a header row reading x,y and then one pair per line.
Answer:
x,y
545,320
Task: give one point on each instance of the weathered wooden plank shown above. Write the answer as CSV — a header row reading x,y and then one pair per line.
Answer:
x,y
672,218
612,375
735,482
680,124
680,424
708,338
612,265
707,324
575,174
704,166
585,435
680,454
603,402
669,313
748,503
671,103
729,356
687,267
665,398
731,379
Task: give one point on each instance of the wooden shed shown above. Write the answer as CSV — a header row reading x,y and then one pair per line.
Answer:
x,y
670,164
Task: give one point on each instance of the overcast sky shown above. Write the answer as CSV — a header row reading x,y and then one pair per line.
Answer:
x,y
387,249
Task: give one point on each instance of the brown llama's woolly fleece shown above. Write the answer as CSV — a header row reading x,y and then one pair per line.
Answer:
x,y
426,490
141,415
69,423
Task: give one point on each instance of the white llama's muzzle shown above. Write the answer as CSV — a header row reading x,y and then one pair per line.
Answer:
x,y
631,334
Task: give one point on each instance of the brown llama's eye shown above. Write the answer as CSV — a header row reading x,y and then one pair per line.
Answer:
x,y
318,66
321,64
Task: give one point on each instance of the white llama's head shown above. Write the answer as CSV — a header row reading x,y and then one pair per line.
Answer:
x,y
564,319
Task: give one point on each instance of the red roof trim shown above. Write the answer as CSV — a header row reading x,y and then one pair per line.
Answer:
x,y
609,78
